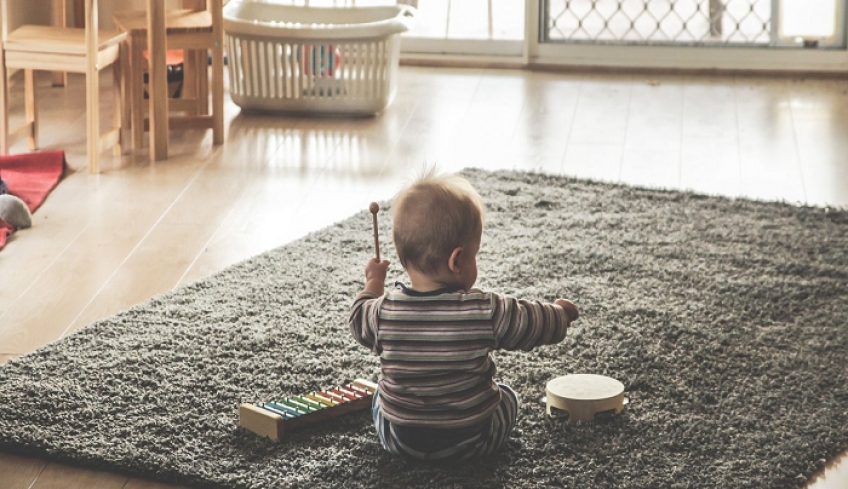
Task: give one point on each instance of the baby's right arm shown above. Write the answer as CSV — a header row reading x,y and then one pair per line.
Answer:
x,y
375,275
523,325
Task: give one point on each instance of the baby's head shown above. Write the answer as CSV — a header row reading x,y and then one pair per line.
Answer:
x,y
437,224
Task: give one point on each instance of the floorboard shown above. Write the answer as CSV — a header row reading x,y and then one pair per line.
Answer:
x,y
103,243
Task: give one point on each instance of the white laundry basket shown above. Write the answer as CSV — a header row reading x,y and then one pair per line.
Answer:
x,y
313,60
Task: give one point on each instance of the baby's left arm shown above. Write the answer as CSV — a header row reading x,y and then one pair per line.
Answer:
x,y
569,308
525,324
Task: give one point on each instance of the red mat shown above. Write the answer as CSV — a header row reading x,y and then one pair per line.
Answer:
x,y
30,177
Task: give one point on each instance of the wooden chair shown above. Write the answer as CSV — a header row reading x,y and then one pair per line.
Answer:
x,y
198,29
77,50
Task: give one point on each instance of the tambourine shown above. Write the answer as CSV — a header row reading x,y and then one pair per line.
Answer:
x,y
584,397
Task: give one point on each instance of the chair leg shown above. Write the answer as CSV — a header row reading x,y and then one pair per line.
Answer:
x,y
215,6
4,105
92,88
31,116
218,93
190,73
202,82
119,72
92,115
59,11
136,88
126,98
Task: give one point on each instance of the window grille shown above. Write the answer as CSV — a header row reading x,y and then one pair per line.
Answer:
x,y
657,22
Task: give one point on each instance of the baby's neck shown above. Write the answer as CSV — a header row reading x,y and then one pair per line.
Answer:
x,y
421,282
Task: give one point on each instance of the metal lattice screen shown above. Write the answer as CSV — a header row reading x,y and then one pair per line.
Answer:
x,y
738,22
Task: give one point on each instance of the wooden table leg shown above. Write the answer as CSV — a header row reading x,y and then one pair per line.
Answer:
x,y
158,80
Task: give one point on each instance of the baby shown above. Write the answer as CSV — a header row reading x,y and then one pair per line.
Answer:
x,y
437,400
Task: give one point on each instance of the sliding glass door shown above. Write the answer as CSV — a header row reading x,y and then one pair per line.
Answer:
x,y
745,34
771,23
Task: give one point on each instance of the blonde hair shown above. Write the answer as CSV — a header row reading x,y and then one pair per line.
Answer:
x,y
433,216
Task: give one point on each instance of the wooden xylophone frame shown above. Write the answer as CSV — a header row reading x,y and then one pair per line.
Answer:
x,y
273,419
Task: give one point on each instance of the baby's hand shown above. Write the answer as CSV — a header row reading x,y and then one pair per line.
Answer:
x,y
570,309
376,270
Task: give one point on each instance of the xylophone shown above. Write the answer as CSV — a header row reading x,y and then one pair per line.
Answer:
x,y
274,418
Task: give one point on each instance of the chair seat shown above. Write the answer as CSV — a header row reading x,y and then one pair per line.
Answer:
x,y
179,21
56,40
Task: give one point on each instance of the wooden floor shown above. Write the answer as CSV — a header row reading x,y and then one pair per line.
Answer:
x,y
102,243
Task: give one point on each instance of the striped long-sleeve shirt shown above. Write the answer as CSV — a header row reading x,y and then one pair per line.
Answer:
x,y
434,349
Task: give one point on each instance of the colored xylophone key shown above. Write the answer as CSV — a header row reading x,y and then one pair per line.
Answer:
x,y
312,404
335,396
274,418
321,399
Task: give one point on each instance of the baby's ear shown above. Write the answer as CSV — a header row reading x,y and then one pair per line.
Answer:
x,y
453,260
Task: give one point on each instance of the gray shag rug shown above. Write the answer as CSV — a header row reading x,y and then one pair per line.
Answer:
x,y
725,319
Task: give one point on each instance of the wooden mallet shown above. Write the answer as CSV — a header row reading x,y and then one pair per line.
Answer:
x,y
375,208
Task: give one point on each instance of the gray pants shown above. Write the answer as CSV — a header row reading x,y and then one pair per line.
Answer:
x,y
454,445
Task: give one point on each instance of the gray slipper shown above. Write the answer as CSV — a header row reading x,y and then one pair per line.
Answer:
x,y
15,211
